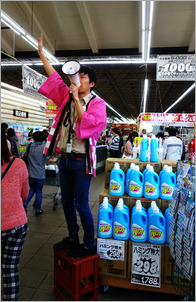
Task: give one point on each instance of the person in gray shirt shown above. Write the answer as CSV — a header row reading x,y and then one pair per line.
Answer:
x,y
36,169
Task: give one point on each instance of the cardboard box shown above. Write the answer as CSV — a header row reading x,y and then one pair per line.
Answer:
x,y
123,162
113,268
104,193
167,269
156,166
172,163
129,269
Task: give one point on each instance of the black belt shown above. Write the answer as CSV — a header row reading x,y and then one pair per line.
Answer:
x,y
72,155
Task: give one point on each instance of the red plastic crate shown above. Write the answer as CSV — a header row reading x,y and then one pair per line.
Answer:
x,y
75,279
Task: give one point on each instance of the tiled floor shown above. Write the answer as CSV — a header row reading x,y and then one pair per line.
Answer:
x,y
36,265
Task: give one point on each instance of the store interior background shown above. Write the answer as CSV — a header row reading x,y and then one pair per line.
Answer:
x,y
107,32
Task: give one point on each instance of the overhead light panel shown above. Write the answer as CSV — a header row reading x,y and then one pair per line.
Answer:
x,y
180,98
145,94
147,16
26,36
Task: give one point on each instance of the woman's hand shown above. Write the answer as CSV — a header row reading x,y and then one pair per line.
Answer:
x,y
40,44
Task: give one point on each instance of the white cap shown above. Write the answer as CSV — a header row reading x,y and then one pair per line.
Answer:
x,y
116,166
120,201
148,165
153,203
145,136
168,169
136,168
138,202
120,206
153,136
151,169
155,209
105,204
138,208
164,167
105,198
132,165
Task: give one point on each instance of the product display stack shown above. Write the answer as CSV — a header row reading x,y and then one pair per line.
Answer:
x,y
133,221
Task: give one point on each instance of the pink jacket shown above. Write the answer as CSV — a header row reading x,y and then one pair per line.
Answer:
x,y
91,125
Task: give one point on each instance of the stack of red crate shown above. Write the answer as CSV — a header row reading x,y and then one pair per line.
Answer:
x,y
75,279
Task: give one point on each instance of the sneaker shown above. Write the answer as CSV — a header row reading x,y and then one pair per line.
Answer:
x,y
66,243
81,251
40,212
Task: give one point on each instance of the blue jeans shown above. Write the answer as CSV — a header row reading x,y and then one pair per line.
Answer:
x,y
36,186
75,184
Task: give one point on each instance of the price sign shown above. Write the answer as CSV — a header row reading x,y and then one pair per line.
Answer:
x,y
175,68
32,81
111,249
146,264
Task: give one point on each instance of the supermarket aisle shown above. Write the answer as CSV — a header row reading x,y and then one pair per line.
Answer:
x,y
36,266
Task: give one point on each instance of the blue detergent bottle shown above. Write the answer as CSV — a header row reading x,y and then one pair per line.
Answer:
x,y
121,222
168,181
138,226
156,227
117,179
153,149
136,183
105,220
138,203
146,170
144,149
151,184
167,219
129,171
121,202
150,209
162,171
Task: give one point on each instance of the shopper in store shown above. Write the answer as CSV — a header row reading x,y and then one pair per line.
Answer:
x,y
14,192
78,160
143,132
160,135
115,146
15,146
36,169
172,147
128,152
45,133
4,129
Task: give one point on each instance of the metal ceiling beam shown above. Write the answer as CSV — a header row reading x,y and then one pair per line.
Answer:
x,y
115,86
88,26
192,42
39,26
6,46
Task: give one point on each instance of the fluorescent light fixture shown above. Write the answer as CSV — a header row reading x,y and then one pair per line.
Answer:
x,y
180,98
26,36
147,14
102,62
11,23
145,94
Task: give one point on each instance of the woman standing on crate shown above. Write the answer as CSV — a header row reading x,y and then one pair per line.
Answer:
x,y
14,191
36,168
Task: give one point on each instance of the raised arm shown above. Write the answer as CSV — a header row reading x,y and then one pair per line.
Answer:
x,y
48,67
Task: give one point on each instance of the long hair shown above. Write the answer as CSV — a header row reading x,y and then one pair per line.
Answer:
x,y
5,153
131,136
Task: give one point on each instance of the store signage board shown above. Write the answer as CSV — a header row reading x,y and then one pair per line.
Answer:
x,y
32,81
51,109
177,119
175,68
146,264
111,249
20,113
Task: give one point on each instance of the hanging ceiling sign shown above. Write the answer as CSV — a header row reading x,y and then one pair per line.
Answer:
x,y
164,118
175,68
51,109
32,81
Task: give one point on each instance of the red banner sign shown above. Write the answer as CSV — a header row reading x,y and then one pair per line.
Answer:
x,y
168,117
51,109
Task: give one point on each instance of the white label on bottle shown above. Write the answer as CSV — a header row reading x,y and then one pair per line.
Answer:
x,y
137,232
166,190
115,187
105,228
119,229
135,188
150,189
155,233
